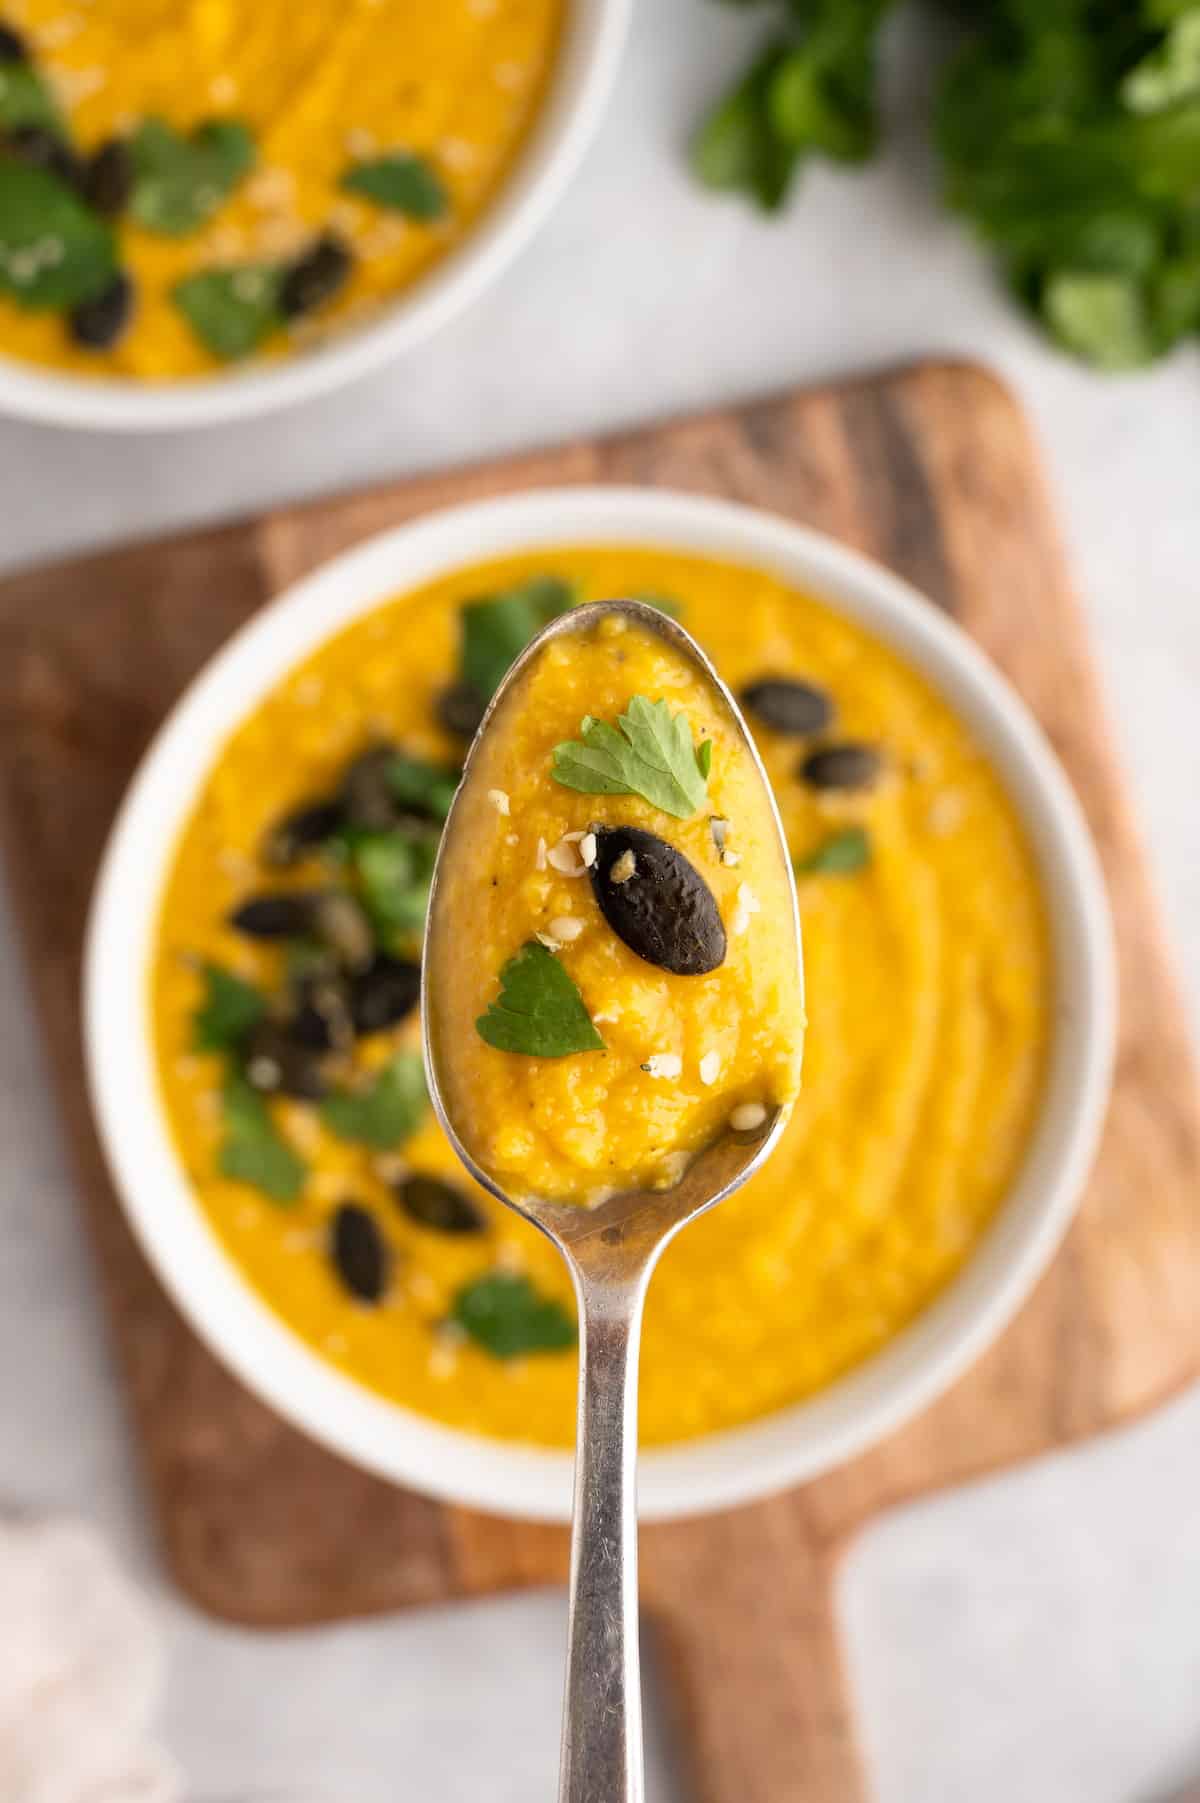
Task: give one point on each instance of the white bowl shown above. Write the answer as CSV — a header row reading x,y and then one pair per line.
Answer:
x,y
593,33
722,1468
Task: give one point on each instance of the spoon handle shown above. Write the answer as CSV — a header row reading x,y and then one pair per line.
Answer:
x,y
602,1717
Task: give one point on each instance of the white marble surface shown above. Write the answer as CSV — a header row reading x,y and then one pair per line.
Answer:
x,y
1037,1637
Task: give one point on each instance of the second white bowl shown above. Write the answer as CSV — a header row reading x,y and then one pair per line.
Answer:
x,y
593,34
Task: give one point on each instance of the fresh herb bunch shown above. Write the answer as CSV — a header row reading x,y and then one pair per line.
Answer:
x,y
1069,134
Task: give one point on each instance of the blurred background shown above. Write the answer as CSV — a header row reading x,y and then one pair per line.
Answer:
x,y
1036,1636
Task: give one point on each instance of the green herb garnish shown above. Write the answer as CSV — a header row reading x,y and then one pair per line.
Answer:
x,y
539,1011
179,181
426,788
841,854
230,1008
653,755
503,1313
1069,137
232,310
252,1149
402,183
497,628
54,251
25,99
1101,318
387,1111
394,870
811,90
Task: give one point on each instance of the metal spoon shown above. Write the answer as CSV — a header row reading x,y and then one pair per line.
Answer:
x,y
611,1251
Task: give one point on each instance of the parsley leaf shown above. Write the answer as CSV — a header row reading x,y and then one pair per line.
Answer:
x,y
655,758
252,1149
737,146
394,870
425,788
385,1113
180,181
811,90
1101,318
229,1009
1069,137
231,310
539,1011
38,215
403,183
497,628
1170,72
25,99
503,1313
841,854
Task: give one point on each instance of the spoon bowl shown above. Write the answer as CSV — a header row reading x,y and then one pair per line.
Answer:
x,y
611,1250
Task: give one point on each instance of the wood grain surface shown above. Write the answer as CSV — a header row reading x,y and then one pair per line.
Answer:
x,y
929,468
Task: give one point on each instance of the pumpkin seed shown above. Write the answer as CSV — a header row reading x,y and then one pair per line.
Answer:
x,y
331,916
13,47
277,1063
107,177
789,706
360,1253
99,322
846,766
460,709
285,914
384,994
300,832
366,796
440,1206
315,277
665,912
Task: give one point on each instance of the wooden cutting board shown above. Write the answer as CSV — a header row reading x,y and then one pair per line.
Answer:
x,y
930,469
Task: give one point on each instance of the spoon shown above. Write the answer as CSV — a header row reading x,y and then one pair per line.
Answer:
x,y
611,1251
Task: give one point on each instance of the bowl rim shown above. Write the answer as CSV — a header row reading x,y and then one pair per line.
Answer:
x,y
586,64
733,1465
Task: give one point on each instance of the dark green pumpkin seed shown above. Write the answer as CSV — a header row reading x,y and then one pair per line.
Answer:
x,y
789,706
665,911
301,831
98,323
285,914
316,277
439,1206
360,1253
384,994
13,48
846,766
106,180
460,709
366,794
277,1063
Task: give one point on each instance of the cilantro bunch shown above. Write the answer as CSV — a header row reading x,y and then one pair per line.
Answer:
x,y
1069,136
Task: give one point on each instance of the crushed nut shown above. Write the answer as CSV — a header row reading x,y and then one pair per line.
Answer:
x,y
747,1117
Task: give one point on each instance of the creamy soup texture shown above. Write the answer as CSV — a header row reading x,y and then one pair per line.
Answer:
x,y
926,967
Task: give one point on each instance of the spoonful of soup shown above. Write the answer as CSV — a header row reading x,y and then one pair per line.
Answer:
x,y
613,1016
